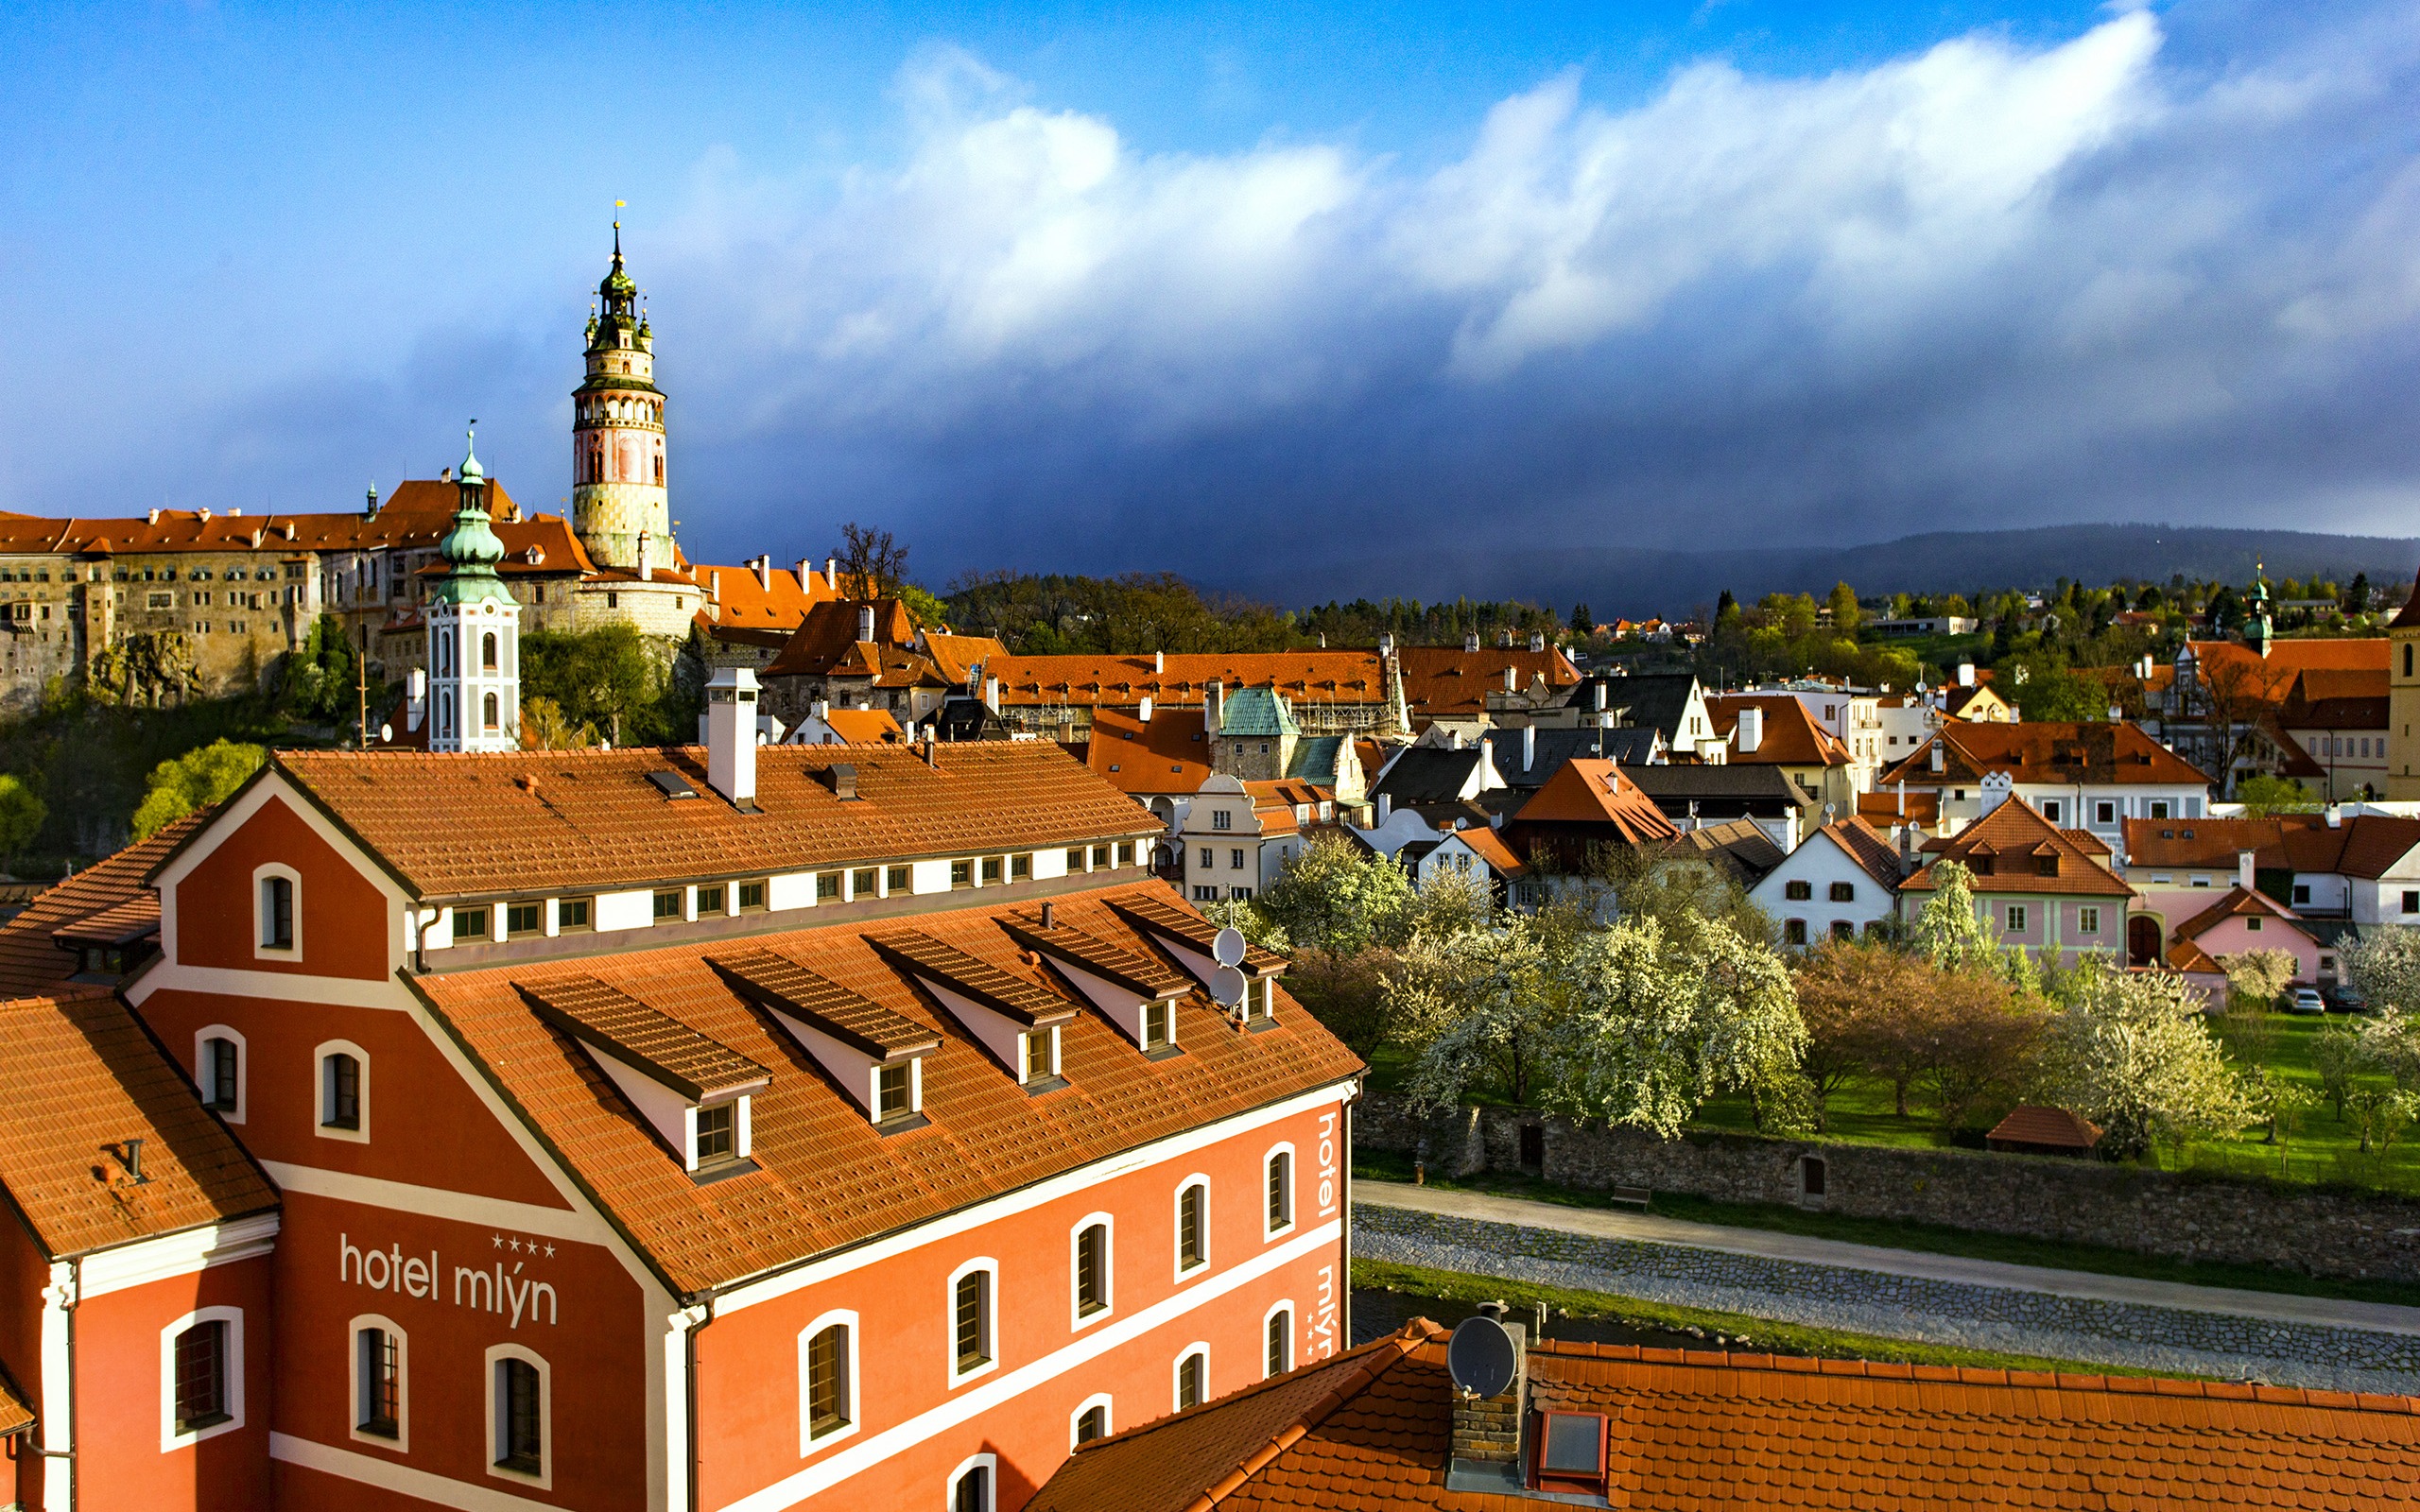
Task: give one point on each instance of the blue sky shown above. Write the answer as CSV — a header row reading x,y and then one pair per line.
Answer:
x,y
1221,288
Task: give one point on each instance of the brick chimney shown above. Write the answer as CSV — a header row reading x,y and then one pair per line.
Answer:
x,y
1487,1430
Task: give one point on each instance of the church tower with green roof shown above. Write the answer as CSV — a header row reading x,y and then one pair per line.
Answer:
x,y
474,632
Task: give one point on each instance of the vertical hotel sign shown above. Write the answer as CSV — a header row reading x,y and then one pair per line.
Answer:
x,y
1323,1339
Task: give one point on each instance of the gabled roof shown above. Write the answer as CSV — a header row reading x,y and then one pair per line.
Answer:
x,y
827,635
418,513
1018,995
2213,843
2031,1124
654,1045
1549,748
1593,792
1644,701
863,727
1369,1431
2046,751
1150,912
2288,658
956,656
1428,774
551,822
1864,845
1140,972
1792,737
1183,677
32,960
778,601
1166,755
781,983
1740,844
1447,683
826,1178
1490,847
85,1077
2239,902
2015,831
1675,785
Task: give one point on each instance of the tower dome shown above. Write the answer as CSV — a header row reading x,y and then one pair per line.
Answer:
x,y
618,490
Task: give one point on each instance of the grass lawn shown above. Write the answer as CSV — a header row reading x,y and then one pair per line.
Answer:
x,y
1928,1238
1746,1332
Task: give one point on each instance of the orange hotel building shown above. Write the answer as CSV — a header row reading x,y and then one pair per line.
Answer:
x,y
727,1129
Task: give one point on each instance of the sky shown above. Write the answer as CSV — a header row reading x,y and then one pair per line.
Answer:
x,y
1274,296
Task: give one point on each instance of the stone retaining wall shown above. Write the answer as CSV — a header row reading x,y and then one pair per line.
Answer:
x,y
1976,1317
2321,1231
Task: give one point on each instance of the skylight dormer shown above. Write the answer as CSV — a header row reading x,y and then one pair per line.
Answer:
x,y
695,1092
878,1056
1135,992
1017,1018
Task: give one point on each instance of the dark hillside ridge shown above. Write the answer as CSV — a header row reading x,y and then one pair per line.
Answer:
x,y
1616,580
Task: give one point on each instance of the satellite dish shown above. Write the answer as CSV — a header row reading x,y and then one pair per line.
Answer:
x,y
1227,986
1228,949
1481,1357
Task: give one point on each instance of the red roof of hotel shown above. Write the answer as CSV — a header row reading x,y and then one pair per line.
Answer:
x,y
826,1176
2044,751
30,959
83,1076
1698,1431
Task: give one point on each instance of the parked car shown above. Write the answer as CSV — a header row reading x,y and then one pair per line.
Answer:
x,y
2345,998
2304,1000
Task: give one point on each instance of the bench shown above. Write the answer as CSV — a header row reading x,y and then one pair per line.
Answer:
x,y
1633,1197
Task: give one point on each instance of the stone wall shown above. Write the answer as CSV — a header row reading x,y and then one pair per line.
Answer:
x,y
2322,1232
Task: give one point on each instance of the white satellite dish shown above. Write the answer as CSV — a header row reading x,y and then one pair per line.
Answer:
x,y
1228,987
1228,949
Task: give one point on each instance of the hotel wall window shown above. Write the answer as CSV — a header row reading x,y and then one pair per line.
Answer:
x,y
345,1092
864,883
1280,1186
378,1359
961,874
827,886
574,915
1092,1266
1125,852
1192,1226
1101,856
899,881
219,1071
711,899
470,925
1192,1377
1021,869
894,1093
828,1365
970,1486
971,1323
520,1421
1092,1422
992,871
201,1376
1280,1332
671,903
523,920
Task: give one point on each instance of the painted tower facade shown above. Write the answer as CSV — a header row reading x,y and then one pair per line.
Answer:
x,y
620,510
474,634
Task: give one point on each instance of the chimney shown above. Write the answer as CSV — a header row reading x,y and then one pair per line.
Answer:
x,y
2336,815
806,576
1512,679
1386,808
1537,640
1486,758
1214,706
1455,735
865,622
820,709
1529,747
1387,643
1159,663
417,708
1504,640
832,575
646,558
1940,755
1470,641
713,586
1600,693
843,778
1049,916
730,735
2244,870
1751,733
992,693
1144,714
445,475
1966,674
764,565
1487,1430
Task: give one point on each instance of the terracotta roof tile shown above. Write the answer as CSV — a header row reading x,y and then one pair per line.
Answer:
x,y
1704,1429
2238,902
826,1178
1447,682
1865,846
2215,843
31,961
84,1077
1018,995
16,1408
548,821
1182,678
1587,791
2015,831
785,985
2031,1124
1167,755
780,600
1792,737
1154,912
653,1043
2044,751
1138,970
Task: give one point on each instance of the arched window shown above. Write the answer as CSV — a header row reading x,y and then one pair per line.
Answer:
x,y
520,1415
1279,1327
219,1071
659,471
1092,1279
487,651
379,1410
972,1351
1281,1189
344,1090
1091,1420
1192,1376
1192,1226
489,712
827,1368
201,1376
969,1484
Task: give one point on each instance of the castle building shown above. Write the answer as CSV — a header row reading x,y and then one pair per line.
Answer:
x,y
721,1128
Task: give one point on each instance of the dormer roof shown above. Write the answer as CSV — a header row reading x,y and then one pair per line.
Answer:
x,y
854,1020
654,1045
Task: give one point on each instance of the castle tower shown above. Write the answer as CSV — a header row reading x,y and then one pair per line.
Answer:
x,y
618,497
474,634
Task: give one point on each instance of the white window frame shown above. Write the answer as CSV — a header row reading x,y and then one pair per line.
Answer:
x,y
403,1439
987,1462
260,918
1285,1307
202,1036
545,1479
1108,1417
990,1268
1176,1229
1076,1320
1294,1191
915,1089
234,1317
809,1442
1176,1374
742,1132
320,1054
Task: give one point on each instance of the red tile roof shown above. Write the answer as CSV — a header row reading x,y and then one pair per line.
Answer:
x,y
2031,1124
1447,682
2213,842
30,959
1123,682
1698,1431
1168,755
1588,791
2044,751
826,1178
418,513
1792,737
2238,902
1490,847
84,1077
739,600
455,826
1865,846
864,727
655,1044
16,1408
2013,841
828,633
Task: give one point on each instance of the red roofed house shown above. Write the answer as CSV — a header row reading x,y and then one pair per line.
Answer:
x,y
2244,919
1383,1427
1776,730
794,1127
2045,890
2085,774
1842,882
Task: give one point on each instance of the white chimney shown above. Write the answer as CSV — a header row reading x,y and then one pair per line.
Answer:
x,y
730,735
1455,735
2244,870
646,558
832,575
1386,808
1529,747
1537,640
1940,756
2335,816
865,622
1159,663
764,570
1512,679
1751,733
1486,758
819,709
1387,643
1144,714
1470,641
992,693
1600,692
713,586
1214,707
1966,674
806,576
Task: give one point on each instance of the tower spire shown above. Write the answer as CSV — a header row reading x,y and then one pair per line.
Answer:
x,y
618,494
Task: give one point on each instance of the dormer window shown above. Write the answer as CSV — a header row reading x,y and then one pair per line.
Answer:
x,y
694,1091
1013,1017
894,1093
1040,1054
1159,1025
876,1056
714,1138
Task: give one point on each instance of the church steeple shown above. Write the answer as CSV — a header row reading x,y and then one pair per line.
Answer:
x,y
473,629
618,492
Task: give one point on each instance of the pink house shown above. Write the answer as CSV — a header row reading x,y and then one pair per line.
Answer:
x,y
2248,920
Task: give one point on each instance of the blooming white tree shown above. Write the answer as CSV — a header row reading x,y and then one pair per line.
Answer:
x,y
2385,964
2132,1052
